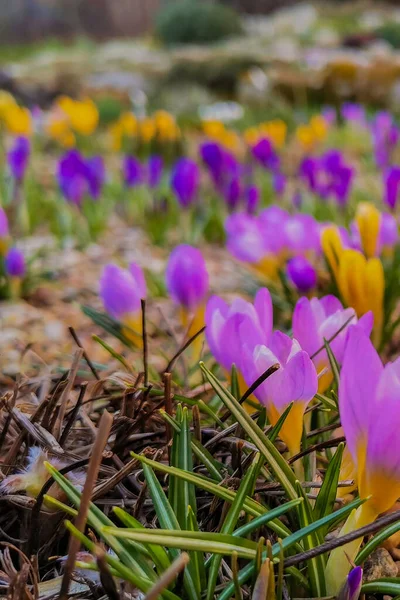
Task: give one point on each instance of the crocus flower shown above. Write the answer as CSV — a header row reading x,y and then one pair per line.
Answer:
x,y
361,281
317,320
72,176
265,154
369,397
294,381
121,291
301,234
230,326
354,113
368,220
187,283
4,231
15,263
278,183
385,136
232,193
96,175
212,155
18,157
352,587
252,199
185,181
133,171
388,234
302,274
187,277
154,171
391,184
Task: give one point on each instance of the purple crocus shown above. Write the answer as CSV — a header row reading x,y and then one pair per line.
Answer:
x,y
18,158
352,587
301,234
388,233
14,263
353,113
317,320
278,183
385,136
265,154
4,229
121,290
72,176
155,167
294,381
185,181
96,175
231,326
232,193
302,274
391,184
252,199
245,239
133,172
187,277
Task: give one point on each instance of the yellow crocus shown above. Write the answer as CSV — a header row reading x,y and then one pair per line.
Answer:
x,y
319,127
368,219
251,136
83,114
305,136
213,129
147,129
361,281
7,101
275,131
18,120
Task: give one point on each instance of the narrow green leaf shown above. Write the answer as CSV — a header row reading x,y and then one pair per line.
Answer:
x,y
273,434
159,556
327,402
196,558
327,494
189,540
168,520
235,389
376,541
249,570
387,586
262,520
230,522
277,463
173,483
333,362
132,555
124,572
250,506
316,565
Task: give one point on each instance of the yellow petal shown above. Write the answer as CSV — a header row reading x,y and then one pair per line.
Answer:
x,y
375,289
332,247
351,280
368,219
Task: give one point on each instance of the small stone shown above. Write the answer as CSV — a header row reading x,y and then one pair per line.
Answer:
x,y
379,564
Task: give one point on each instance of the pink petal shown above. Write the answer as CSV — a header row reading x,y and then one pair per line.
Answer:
x,y
359,379
264,309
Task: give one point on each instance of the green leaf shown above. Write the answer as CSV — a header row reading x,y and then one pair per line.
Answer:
x,y
214,467
292,539
230,521
376,541
333,362
168,520
273,434
159,556
109,325
316,565
277,463
262,520
387,586
123,571
235,389
250,506
174,460
196,558
132,555
327,402
203,541
327,495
